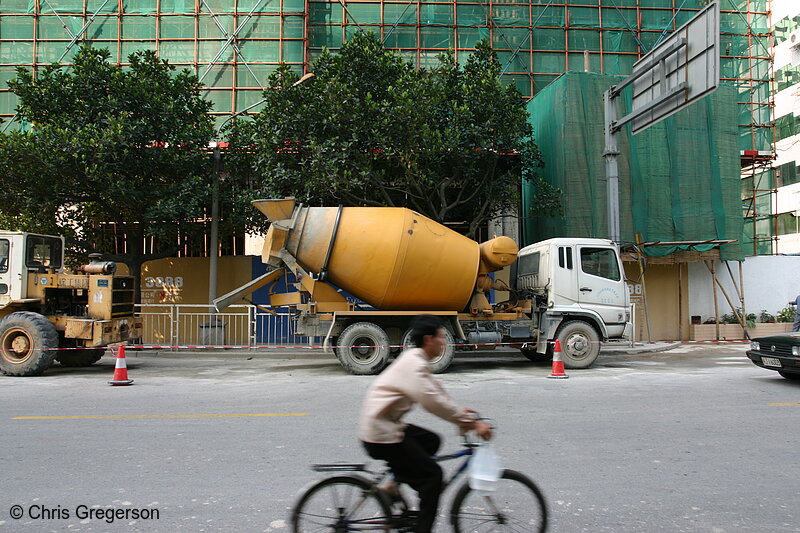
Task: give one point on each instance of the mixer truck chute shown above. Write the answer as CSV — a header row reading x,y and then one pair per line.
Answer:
x,y
400,264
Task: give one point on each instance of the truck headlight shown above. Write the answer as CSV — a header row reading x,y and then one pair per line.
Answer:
x,y
754,345
796,350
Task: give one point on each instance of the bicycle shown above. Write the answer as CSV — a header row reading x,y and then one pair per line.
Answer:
x,y
353,501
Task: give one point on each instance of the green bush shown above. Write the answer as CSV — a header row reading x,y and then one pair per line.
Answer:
x,y
765,317
730,318
786,314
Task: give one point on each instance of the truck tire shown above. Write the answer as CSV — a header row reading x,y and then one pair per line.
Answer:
x,y
580,344
28,343
441,363
363,349
536,357
80,357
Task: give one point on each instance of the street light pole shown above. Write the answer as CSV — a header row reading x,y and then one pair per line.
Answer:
x,y
213,238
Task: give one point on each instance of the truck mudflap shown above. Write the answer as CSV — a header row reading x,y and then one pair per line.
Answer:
x,y
103,332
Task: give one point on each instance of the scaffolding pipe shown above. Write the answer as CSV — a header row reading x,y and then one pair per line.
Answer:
x,y
736,313
713,271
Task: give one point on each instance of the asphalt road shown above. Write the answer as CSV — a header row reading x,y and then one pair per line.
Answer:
x,y
693,439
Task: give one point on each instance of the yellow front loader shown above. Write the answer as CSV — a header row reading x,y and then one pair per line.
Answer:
x,y
49,314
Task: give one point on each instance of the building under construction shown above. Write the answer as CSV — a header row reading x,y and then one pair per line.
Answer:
x,y
233,45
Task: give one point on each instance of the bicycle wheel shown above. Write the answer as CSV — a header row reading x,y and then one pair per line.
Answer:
x,y
516,505
341,503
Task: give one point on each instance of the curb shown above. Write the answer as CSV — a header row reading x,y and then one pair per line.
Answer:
x,y
231,354
655,347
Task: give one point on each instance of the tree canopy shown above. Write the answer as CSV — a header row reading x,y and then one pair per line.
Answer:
x,y
452,143
108,145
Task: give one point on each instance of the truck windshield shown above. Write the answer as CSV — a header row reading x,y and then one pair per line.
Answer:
x,y
600,262
41,251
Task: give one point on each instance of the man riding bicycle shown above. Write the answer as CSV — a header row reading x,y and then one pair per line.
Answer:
x,y
407,448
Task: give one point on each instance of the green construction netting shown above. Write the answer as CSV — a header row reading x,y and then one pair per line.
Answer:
x,y
679,179
536,40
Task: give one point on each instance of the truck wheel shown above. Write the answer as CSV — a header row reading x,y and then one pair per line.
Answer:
x,y
28,343
580,344
363,349
533,355
77,358
442,362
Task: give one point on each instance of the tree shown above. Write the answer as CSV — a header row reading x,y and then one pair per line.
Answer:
x,y
452,143
108,145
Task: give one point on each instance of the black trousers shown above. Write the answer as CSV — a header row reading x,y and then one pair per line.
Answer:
x,y
411,462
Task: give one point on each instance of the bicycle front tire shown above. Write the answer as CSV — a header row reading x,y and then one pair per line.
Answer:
x,y
516,505
341,503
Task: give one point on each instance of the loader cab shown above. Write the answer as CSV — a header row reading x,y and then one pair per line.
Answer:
x,y
22,253
43,252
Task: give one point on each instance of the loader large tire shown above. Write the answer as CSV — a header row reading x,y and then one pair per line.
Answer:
x,y
80,357
363,348
28,343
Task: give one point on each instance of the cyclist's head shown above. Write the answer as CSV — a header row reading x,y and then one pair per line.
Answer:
x,y
424,325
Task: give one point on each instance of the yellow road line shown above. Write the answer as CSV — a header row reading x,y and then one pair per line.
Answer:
x,y
792,403
81,417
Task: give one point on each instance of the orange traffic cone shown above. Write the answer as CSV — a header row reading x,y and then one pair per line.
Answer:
x,y
121,369
558,364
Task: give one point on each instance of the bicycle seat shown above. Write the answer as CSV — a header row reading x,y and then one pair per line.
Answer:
x,y
339,467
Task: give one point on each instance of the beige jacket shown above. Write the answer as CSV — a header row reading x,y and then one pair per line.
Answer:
x,y
408,380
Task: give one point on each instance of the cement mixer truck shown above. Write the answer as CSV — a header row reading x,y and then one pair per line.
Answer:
x,y
362,274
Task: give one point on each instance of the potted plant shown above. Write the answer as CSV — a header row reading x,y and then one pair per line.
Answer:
x,y
766,318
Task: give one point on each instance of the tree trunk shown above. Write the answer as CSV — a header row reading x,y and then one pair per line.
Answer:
x,y
134,259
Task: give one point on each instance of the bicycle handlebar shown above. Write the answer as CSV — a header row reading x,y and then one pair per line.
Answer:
x,y
467,433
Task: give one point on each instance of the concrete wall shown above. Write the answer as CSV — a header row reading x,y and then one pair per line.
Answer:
x,y
185,280
770,282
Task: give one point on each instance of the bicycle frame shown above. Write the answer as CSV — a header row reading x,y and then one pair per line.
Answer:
x,y
466,452
379,476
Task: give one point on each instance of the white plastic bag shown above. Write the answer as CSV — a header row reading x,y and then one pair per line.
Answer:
x,y
484,468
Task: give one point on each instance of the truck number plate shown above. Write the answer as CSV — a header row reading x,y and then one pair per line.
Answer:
x,y
771,361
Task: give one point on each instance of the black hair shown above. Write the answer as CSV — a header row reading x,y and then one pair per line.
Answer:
x,y
424,325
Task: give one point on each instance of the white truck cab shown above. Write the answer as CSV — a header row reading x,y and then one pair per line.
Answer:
x,y
583,283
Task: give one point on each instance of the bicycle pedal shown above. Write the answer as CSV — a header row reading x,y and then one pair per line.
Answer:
x,y
409,514
407,520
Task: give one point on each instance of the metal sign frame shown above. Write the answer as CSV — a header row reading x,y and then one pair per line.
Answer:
x,y
678,72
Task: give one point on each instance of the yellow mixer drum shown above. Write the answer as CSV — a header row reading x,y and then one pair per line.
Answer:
x,y
391,258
